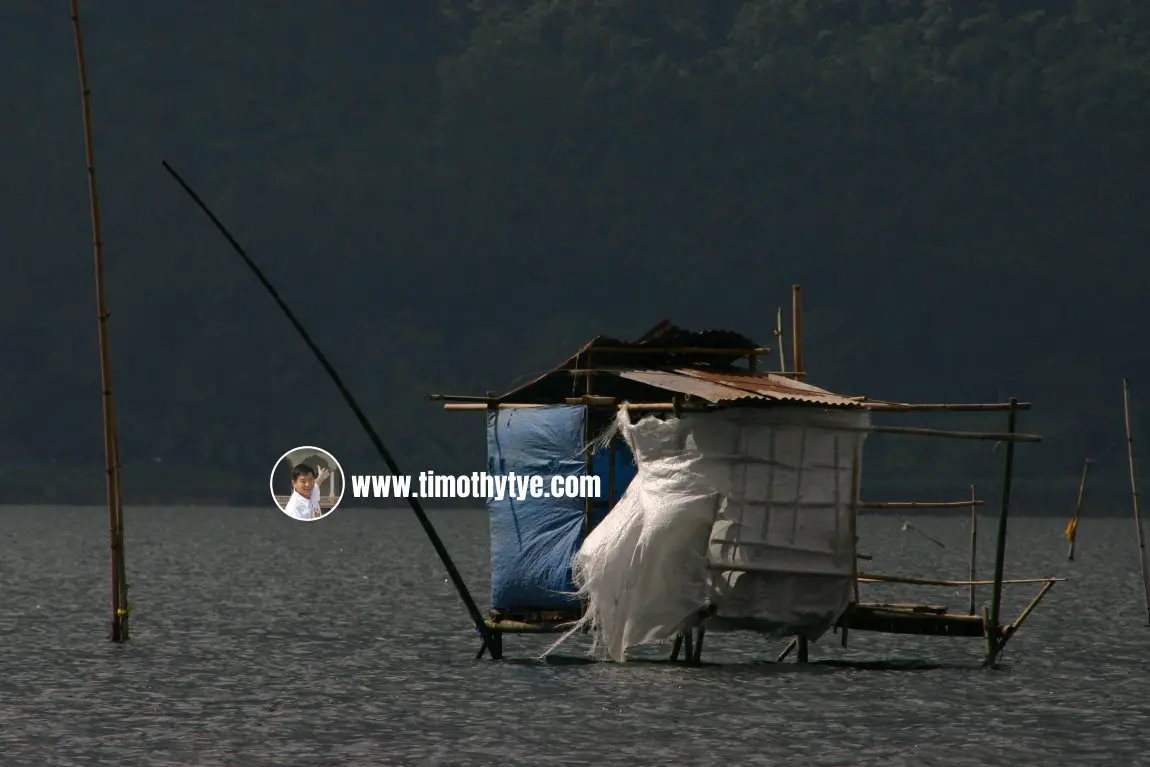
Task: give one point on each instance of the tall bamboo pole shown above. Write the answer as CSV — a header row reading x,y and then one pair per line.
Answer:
x,y
1134,489
119,632
973,545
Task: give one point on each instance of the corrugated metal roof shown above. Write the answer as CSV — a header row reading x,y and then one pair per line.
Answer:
x,y
718,387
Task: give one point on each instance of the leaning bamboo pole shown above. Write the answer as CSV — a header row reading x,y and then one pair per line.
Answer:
x,y
1072,528
1134,489
119,632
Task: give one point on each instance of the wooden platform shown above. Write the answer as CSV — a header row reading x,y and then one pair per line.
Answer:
x,y
879,617
532,622
904,618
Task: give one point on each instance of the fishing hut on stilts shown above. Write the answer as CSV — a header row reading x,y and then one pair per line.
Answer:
x,y
728,499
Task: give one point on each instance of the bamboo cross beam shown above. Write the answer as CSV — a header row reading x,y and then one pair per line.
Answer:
x,y
918,504
1010,437
905,407
878,578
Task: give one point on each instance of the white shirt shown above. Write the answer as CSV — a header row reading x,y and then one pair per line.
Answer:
x,y
303,508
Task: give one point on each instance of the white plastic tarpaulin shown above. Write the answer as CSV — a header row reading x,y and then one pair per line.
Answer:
x,y
748,511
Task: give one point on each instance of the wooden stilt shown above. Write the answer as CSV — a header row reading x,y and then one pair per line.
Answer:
x,y
804,650
1134,490
989,633
791,645
119,628
700,632
688,645
781,342
676,647
973,545
797,329
1072,528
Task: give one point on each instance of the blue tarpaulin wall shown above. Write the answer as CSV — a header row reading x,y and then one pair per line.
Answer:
x,y
625,471
534,539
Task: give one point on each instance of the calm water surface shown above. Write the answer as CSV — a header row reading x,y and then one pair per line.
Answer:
x,y
262,641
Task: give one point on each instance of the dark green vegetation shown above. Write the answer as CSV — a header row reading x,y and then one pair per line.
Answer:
x,y
456,197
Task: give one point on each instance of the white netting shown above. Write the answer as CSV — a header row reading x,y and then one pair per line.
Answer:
x,y
750,511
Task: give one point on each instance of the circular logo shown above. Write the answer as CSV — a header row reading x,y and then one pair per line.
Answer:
x,y
307,483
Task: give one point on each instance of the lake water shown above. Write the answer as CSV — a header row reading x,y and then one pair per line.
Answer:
x,y
257,640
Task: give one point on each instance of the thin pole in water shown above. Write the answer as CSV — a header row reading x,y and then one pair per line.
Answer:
x,y
119,632
490,639
1072,528
1134,489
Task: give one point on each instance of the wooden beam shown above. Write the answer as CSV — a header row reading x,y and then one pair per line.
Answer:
x,y
905,407
877,578
482,407
679,350
918,504
1009,437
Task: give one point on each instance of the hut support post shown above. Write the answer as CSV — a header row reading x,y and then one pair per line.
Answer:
x,y
119,628
804,649
781,342
1073,529
993,646
797,323
973,546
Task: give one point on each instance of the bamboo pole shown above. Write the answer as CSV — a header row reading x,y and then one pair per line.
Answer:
x,y
492,639
1134,490
1013,628
1000,543
119,629
1072,529
797,322
877,578
973,545
779,336
944,407
919,504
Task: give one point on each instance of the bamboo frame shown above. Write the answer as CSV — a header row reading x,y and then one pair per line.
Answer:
x,y
939,621
119,629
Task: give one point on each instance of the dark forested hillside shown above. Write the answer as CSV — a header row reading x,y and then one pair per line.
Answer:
x,y
458,196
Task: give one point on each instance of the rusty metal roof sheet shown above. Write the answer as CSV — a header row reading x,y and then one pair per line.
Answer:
x,y
719,387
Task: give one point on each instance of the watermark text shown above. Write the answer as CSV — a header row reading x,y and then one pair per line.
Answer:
x,y
428,484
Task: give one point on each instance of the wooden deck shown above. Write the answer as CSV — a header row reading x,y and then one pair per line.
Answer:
x,y
879,617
